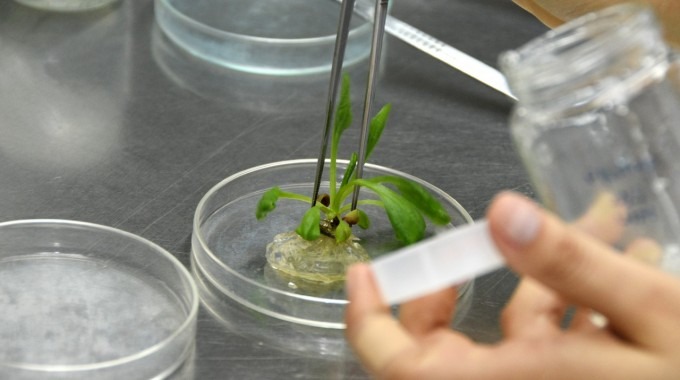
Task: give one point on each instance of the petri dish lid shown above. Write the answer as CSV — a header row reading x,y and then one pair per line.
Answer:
x,y
81,300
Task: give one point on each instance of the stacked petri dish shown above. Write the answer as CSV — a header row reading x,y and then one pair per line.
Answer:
x,y
273,37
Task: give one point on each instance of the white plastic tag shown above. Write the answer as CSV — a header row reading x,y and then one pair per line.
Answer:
x,y
443,260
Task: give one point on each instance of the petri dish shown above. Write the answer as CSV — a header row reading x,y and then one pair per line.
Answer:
x,y
229,243
276,333
254,92
273,37
85,301
66,5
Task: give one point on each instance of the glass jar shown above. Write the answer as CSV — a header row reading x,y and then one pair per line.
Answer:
x,y
599,114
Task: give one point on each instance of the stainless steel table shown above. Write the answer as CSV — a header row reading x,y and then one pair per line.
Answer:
x,y
103,120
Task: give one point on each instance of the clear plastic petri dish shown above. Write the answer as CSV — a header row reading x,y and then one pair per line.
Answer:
x,y
274,37
66,5
229,243
84,301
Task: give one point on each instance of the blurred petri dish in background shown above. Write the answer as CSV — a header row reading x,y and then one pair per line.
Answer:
x,y
273,37
84,301
66,5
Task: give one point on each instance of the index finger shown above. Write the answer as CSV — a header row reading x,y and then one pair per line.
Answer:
x,y
386,348
375,335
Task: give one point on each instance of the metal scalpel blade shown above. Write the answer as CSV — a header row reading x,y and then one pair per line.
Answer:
x,y
440,50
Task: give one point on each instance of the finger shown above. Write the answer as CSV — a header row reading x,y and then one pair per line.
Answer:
x,y
375,335
423,315
585,319
640,302
605,219
645,250
572,356
387,350
533,311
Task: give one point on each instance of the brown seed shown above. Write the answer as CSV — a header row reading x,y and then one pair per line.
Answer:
x,y
351,218
324,199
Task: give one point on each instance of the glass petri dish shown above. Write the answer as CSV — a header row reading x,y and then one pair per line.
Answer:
x,y
229,244
274,37
84,301
274,333
66,5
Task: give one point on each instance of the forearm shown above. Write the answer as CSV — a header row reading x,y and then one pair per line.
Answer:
x,y
556,12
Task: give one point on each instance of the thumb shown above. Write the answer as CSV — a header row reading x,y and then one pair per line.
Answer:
x,y
584,270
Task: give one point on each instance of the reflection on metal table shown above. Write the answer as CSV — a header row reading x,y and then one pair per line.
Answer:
x,y
104,120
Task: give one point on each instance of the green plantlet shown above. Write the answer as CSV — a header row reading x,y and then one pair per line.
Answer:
x,y
405,202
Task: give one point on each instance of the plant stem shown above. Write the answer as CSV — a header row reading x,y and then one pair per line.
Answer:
x,y
343,193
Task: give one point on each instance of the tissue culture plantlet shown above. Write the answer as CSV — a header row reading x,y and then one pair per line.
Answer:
x,y
323,246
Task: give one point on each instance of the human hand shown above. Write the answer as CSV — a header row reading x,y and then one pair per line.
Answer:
x,y
561,265
556,12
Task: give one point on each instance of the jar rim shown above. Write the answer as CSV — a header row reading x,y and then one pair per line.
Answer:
x,y
576,62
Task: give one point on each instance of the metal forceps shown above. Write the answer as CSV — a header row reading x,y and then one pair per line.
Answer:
x,y
380,16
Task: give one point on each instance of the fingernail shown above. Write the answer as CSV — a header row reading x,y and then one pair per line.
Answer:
x,y
519,219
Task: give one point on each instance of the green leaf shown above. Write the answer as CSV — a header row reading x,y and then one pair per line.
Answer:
x,y
343,119
406,219
267,203
364,221
309,225
350,169
376,128
420,197
343,113
342,232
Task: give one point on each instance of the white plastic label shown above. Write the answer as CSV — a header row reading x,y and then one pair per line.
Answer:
x,y
444,260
